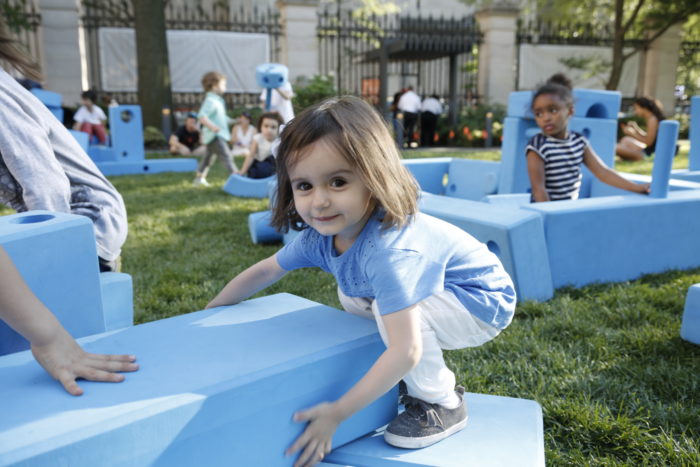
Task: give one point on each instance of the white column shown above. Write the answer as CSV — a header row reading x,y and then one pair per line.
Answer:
x,y
498,23
661,67
299,44
64,67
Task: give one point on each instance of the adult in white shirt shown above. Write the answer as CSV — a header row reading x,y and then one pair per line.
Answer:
x,y
90,118
409,105
281,101
430,113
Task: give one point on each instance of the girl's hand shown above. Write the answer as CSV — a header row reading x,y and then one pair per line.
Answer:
x,y
644,188
66,361
315,441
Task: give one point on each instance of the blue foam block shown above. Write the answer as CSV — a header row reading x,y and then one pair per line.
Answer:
x,y
593,103
260,229
690,327
48,98
687,175
618,238
245,187
56,255
663,160
430,173
117,300
500,432
599,188
520,105
147,166
82,138
512,200
216,387
513,177
271,75
126,131
472,179
100,153
601,133
694,136
515,236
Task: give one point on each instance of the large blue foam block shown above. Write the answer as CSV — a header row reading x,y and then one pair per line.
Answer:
x,y
126,130
147,166
501,432
431,173
472,179
117,300
690,327
56,255
245,187
216,387
260,229
618,238
515,236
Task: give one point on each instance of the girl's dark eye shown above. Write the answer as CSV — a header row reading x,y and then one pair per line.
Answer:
x,y
554,110
303,186
338,182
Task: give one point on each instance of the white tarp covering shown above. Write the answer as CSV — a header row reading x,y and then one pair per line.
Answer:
x,y
539,62
191,54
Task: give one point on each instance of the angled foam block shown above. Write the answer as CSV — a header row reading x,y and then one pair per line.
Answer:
x,y
430,173
260,229
593,103
82,138
226,397
515,236
56,255
147,166
619,238
690,327
694,136
245,187
472,179
117,300
513,177
500,432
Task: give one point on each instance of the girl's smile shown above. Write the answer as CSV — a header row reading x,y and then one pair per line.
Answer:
x,y
329,195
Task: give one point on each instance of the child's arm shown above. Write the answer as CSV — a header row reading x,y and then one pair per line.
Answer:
x,y
250,281
249,157
52,346
285,94
535,169
207,123
607,175
403,353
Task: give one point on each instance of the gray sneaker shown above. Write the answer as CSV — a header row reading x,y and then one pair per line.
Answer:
x,y
423,424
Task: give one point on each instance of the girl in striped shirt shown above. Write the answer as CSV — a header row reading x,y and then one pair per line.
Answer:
x,y
554,156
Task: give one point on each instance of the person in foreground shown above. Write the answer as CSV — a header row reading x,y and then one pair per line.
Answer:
x,y
52,346
428,284
555,155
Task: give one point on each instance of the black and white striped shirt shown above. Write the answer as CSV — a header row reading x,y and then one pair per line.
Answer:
x,y
562,163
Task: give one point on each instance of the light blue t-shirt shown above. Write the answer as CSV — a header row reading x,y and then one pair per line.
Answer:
x,y
401,267
214,108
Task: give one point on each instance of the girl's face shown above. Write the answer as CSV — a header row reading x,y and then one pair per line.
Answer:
x,y
329,195
640,111
269,128
552,115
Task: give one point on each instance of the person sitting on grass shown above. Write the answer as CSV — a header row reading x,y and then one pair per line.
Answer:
x,y
52,346
90,118
640,144
260,162
186,140
555,155
428,284
243,133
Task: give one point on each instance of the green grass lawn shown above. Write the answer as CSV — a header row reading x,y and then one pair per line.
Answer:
x,y
616,383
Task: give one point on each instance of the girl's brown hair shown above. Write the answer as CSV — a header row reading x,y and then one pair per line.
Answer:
x,y
13,55
272,116
361,136
210,79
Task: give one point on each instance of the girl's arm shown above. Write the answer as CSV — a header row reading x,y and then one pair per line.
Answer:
x,y
52,346
535,169
649,136
208,123
249,157
250,281
404,351
607,175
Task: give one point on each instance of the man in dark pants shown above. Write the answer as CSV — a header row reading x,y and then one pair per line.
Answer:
x,y
409,105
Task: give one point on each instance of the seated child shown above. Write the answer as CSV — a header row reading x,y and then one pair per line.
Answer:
x,y
90,118
260,162
243,134
555,155
186,140
428,284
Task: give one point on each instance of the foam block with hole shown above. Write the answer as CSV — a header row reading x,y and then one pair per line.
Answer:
x,y
216,387
245,187
515,236
430,173
690,327
500,432
472,179
594,103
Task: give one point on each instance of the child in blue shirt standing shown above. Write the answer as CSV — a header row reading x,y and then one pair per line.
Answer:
x,y
555,155
215,132
428,284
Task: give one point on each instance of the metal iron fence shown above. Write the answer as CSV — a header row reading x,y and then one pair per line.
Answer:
x,y
23,20
348,46
217,16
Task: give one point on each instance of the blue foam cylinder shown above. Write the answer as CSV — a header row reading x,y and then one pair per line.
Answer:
x,y
500,432
690,327
260,229
244,187
663,161
694,155
216,387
